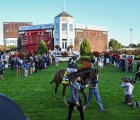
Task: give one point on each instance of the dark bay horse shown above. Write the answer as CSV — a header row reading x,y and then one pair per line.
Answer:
x,y
85,73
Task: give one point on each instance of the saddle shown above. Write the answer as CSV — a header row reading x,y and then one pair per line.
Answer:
x,y
66,78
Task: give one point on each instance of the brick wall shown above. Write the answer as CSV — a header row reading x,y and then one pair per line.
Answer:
x,y
98,40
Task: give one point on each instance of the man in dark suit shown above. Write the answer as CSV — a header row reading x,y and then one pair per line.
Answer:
x,y
74,98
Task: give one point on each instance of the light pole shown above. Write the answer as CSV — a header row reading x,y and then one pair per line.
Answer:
x,y
130,35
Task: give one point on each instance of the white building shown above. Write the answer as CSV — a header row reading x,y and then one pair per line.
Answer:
x,y
66,32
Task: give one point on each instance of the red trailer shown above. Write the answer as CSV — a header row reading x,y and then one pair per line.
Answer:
x,y
31,36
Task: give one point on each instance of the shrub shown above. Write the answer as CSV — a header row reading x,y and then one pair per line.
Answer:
x,y
65,53
57,46
116,55
85,48
106,54
96,53
42,48
13,55
20,55
86,58
137,58
85,64
71,46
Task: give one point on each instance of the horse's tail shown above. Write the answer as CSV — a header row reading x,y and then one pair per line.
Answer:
x,y
52,81
54,78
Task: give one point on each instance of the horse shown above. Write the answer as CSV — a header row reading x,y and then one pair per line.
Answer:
x,y
85,73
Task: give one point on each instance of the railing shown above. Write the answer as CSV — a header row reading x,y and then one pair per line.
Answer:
x,y
67,57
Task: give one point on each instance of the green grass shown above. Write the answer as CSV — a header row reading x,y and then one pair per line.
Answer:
x,y
34,95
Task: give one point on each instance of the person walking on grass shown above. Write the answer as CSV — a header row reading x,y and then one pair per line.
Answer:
x,y
93,91
56,61
1,69
18,67
74,98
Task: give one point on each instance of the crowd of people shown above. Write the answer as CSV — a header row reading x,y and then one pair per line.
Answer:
x,y
31,65
26,67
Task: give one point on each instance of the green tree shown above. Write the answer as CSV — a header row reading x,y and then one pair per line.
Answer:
x,y
85,48
138,45
114,44
123,46
42,48
132,45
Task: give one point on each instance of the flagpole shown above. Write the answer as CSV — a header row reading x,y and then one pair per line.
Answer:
x,y
64,5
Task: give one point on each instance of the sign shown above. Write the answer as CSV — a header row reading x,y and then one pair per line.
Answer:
x,y
20,33
89,27
36,27
64,19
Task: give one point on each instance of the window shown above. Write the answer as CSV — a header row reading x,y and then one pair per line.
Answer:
x,y
57,27
71,42
71,27
80,41
64,27
57,41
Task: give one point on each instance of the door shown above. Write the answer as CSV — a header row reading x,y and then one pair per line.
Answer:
x,y
64,44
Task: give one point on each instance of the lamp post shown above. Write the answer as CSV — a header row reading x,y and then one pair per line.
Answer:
x,y
130,35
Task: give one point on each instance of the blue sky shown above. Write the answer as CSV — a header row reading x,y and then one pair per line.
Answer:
x,y
117,15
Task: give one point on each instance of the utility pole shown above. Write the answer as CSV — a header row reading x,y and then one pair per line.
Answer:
x,y
130,35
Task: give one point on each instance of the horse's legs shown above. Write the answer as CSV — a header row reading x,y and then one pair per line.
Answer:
x,y
63,93
85,97
56,88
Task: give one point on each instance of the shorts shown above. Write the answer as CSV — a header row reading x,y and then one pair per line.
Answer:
x,y
128,99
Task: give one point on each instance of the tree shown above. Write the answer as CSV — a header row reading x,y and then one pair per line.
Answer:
x,y
132,45
85,48
114,44
42,48
138,45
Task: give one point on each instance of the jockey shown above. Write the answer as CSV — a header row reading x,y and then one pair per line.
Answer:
x,y
72,66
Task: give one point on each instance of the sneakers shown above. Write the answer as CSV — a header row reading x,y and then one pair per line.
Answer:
x,y
134,105
103,111
138,104
84,108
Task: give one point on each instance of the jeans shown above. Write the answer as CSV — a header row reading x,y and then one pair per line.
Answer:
x,y
95,92
137,75
132,68
92,65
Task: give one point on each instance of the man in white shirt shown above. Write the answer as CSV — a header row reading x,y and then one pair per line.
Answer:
x,y
128,88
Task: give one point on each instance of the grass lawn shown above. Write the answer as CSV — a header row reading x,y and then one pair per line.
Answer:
x,y
34,95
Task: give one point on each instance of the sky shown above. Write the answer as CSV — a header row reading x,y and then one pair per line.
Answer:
x,y
117,15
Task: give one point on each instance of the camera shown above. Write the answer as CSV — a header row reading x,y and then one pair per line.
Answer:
x,y
128,79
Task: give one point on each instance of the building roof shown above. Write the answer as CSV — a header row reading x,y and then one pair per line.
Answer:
x,y
64,14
